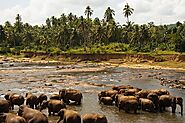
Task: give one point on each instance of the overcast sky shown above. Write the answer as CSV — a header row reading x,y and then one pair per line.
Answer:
x,y
36,11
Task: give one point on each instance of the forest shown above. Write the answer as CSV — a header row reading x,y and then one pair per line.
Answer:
x,y
72,34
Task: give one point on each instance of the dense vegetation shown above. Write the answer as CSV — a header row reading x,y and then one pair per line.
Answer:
x,y
73,34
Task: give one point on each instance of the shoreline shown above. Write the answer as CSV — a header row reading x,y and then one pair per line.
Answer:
x,y
139,64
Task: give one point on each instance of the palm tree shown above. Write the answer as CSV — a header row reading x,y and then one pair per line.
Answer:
x,y
88,12
109,13
127,11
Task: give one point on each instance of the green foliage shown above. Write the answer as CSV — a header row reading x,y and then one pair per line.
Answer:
x,y
73,34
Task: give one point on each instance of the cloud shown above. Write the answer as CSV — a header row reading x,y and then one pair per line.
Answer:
x,y
36,11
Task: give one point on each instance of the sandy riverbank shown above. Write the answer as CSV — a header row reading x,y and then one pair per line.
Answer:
x,y
170,65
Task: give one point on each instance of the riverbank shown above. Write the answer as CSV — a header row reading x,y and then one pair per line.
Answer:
x,y
175,62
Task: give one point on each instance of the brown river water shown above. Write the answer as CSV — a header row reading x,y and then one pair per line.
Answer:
x,y
24,77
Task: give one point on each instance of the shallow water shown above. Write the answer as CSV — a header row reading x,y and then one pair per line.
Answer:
x,y
24,78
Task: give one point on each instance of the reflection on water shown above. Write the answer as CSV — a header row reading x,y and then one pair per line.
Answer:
x,y
33,78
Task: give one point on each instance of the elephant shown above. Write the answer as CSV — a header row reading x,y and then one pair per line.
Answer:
x,y
142,94
130,105
53,106
4,106
71,94
55,97
122,87
121,101
41,98
170,101
155,99
160,91
146,105
108,93
106,100
31,100
15,99
131,92
121,98
69,116
11,118
32,115
94,118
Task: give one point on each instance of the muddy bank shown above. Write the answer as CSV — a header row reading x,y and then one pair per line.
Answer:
x,y
107,57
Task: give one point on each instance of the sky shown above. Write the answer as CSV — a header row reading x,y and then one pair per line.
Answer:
x,y
36,11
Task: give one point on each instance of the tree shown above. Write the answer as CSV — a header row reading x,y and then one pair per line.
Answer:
x,y
109,13
88,12
127,11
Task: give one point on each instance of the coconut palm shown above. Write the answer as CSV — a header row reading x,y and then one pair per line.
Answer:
x,y
88,12
127,11
109,13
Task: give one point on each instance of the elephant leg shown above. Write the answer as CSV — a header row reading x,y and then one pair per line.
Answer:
x,y
65,121
49,111
59,120
12,106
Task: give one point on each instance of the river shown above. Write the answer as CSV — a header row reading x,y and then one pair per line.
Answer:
x,y
22,78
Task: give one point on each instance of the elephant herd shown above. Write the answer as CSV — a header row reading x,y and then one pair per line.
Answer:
x,y
31,112
132,99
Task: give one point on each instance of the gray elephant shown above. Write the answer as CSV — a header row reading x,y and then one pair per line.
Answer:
x,y
94,118
69,116
106,100
32,115
71,95
53,106
4,106
31,100
15,99
11,118
146,105
41,98
170,101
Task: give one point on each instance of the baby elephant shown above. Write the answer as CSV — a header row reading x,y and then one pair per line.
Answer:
x,y
69,116
53,106
11,118
94,118
106,100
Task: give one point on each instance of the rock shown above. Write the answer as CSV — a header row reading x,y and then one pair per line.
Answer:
x,y
11,65
48,84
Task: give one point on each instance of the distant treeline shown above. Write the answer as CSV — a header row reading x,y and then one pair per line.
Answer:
x,y
70,33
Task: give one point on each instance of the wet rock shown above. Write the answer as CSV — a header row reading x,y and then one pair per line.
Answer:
x,y
48,84
182,82
11,65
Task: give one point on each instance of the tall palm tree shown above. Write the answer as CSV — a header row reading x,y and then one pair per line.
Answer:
x,y
109,13
127,11
88,12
